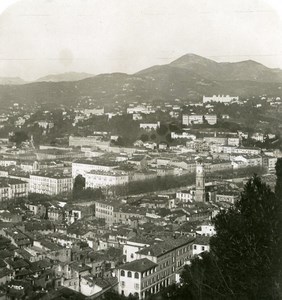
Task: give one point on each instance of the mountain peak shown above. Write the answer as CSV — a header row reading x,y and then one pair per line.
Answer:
x,y
190,59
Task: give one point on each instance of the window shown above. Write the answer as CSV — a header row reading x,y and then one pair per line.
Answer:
x,y
129,274
136,286
122,273
195,247
122,284
132,255
136,275
203,248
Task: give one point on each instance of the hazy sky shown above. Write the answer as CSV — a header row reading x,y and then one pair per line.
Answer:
x,y
39,37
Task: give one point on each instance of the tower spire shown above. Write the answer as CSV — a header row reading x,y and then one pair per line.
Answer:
x,y
200,194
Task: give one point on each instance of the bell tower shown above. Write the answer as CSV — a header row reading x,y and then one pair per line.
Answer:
x,y
200,195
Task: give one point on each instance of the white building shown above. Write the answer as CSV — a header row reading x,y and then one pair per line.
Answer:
x,y
131,247
248,160
140,109
73,215
206,229
45,124
183,135
84,166
233,141
5,162
150,126
11,188
185,196
200,244
220,99
94,111
50,182
235,150
271,163
137,278
95,178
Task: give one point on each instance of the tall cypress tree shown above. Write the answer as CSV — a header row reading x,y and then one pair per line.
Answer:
x,y
248,243
278,188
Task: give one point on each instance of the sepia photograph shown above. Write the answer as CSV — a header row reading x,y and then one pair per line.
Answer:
x,y
141,149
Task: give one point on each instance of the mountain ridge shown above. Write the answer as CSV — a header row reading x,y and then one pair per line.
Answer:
x,y
67,76
188,78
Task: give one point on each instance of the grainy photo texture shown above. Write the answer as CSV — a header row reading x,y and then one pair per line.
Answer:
x,y
141,149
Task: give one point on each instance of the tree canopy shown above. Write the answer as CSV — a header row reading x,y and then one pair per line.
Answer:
x,y
18,137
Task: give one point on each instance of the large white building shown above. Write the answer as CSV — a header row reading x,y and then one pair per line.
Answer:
x,y
95,178
220,99
50,182
140,109
155,267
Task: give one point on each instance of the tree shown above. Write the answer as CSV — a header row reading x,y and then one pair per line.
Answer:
x,y
144,138
79,183
250,234
162,130
278,187
245,256
19,137
168,138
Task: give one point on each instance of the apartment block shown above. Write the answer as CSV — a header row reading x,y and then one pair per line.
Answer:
x,y
50,182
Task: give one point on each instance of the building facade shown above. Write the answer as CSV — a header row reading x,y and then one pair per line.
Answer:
x,y
50,183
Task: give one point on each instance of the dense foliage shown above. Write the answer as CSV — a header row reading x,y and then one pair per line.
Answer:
x,y
173,181
18,137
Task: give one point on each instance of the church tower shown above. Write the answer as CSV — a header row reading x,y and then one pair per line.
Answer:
x,y
200,195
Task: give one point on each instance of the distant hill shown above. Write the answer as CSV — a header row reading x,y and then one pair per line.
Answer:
x,y
70,76
189,77
11,81
244,70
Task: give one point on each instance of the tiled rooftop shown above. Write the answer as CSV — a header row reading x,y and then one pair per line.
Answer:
x,y
140,265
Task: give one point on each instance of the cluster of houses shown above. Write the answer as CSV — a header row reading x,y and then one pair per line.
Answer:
x,y
106,245
54,172
132,244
